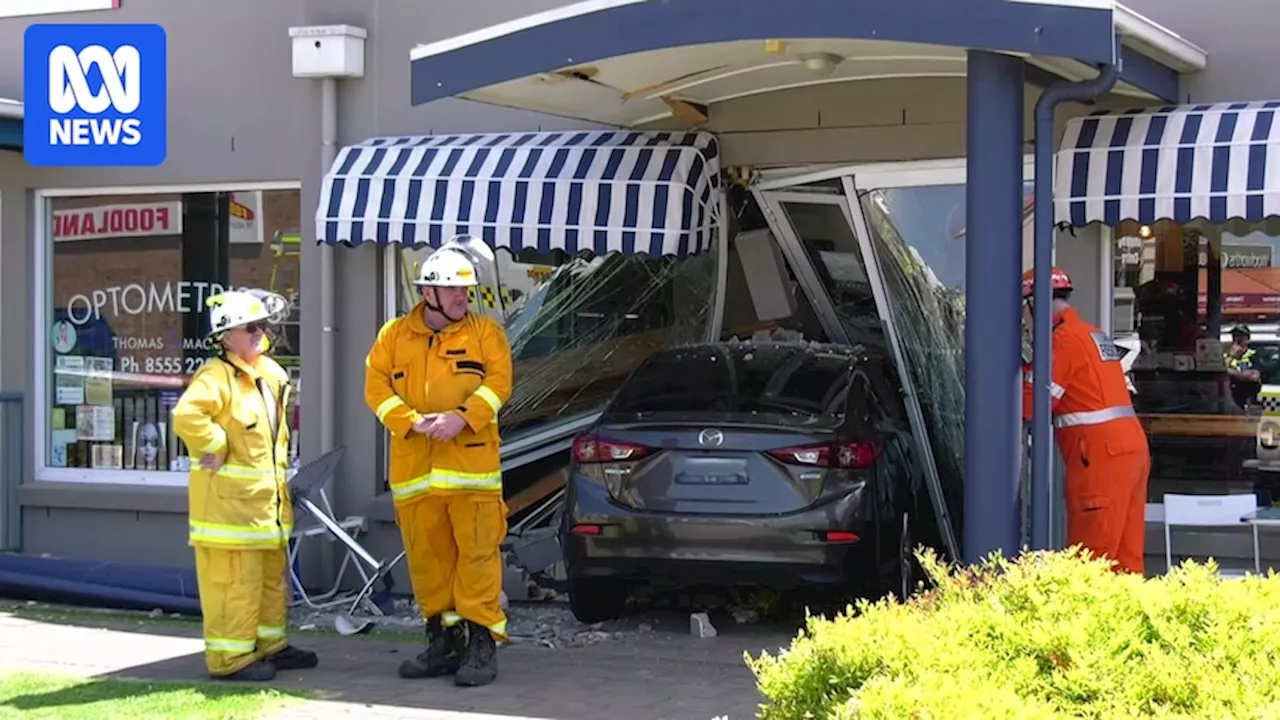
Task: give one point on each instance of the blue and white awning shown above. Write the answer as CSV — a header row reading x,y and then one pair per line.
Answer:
x,y
650,193
1214,162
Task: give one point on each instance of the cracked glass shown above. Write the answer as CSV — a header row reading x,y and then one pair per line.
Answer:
x,y
918,234
579,324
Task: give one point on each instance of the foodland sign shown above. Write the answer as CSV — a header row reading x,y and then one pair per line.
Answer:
x,y
1240,257
153,219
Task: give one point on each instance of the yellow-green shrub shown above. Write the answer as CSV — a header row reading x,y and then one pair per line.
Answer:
x,y
1050,635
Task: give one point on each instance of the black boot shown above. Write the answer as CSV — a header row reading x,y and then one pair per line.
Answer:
x,y
292,658
481,664
260,671
443,655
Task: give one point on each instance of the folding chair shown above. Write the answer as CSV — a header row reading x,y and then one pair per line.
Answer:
x,y
1208,511
352,525
308,482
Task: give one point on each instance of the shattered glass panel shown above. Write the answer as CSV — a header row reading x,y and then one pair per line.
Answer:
x,y
919,238
828,240
578,325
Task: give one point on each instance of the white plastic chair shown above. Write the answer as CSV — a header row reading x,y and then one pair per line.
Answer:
x,y
1209,511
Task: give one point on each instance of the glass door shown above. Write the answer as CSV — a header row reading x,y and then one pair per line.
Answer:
x,y
826,241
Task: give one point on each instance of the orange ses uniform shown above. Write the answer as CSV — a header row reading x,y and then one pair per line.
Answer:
x,y
1101,440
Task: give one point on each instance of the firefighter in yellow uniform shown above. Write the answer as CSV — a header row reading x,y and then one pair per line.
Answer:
x,y
436,378
232,418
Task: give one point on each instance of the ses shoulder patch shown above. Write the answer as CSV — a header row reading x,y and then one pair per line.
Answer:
x,y
1107,349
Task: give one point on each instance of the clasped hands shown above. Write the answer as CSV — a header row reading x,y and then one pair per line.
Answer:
x,y
440,426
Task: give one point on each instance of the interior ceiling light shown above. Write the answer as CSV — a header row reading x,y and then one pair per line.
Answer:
x,y
822,63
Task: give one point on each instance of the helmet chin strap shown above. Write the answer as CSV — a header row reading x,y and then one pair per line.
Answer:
x,y
438,307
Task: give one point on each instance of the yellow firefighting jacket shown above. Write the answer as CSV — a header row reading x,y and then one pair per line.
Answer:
x,y
412,371
245,503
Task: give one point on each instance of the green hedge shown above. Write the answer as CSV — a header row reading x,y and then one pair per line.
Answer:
x,y
1052,635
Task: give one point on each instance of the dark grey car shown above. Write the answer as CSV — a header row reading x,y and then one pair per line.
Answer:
x,y
785,464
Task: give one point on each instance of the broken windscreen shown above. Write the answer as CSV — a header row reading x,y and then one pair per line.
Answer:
x,y
798,385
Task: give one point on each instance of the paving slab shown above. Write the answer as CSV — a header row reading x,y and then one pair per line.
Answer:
x,y
652,677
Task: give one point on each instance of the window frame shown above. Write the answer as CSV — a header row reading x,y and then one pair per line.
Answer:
x,y
42,285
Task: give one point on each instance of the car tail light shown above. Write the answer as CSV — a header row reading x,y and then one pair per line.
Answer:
x,y
837,456
589,449
839,536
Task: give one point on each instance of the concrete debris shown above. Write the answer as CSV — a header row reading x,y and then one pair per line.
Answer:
x,y
645,627
503,601
156,613
746,616
700,626
515,583
536,550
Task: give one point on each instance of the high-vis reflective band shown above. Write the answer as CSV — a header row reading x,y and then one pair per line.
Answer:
x,y
446,480
245,472
1057,390
1094,417
270,632
387,406
411,488
499,628
457,480
237,534
490,397
228,645
449,619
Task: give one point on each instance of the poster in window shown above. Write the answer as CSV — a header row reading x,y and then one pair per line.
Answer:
x,y
97,380
68,378
107,456
147,444
95,422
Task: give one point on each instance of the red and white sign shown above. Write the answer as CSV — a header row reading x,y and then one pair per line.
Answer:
x,y
129,220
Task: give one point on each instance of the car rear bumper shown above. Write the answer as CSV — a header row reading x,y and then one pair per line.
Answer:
x,y
776,550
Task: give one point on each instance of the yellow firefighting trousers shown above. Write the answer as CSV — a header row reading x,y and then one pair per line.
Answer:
x,y
452,544
242,598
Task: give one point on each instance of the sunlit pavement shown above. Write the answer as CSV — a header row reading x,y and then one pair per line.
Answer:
x,y
660,676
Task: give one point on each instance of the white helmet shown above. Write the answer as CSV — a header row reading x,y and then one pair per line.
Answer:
x,y
237,308
447,267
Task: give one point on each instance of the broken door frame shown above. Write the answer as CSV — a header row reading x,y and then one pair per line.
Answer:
x,y
771,203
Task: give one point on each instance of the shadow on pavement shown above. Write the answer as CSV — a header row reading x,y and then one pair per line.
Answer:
x,y
662,674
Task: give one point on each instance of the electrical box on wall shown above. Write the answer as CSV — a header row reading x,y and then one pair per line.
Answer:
x,y
335,51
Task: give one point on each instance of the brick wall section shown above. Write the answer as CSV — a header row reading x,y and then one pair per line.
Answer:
x,y
82,266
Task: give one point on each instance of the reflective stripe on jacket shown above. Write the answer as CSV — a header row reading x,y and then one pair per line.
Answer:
x,y
245,503
1087,391
412,371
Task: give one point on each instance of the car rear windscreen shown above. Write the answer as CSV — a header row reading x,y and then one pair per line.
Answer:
x,y
773,384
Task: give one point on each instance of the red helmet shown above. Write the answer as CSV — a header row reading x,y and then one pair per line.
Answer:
x,y
1060,281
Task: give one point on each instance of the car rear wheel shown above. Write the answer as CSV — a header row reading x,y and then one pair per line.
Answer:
x,y
594,599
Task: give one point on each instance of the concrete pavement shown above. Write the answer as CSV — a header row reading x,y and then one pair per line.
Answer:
x,y
653,677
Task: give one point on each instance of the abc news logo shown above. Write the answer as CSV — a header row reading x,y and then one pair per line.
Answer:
x,y
69,92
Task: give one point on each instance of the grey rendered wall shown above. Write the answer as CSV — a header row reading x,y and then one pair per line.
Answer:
x,y
1238,35
236,114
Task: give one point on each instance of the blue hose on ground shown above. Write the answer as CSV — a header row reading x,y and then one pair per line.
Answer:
x,y
71,592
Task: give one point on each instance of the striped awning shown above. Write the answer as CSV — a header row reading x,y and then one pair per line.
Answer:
x,y
1213,162
652,193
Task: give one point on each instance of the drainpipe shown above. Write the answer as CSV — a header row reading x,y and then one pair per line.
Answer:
x,y
328,388
328,152
1044,492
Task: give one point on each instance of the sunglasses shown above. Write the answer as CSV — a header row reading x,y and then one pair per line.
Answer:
x,y
256,327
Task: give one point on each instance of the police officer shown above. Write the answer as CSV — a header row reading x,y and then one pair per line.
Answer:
x,y
436,379
1241,361
1102,442
232,417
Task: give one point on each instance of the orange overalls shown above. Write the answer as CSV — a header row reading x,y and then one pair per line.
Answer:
x,y
1101,440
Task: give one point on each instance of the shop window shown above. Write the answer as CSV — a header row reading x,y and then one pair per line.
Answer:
x,y
127,277
1180,290
578,325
